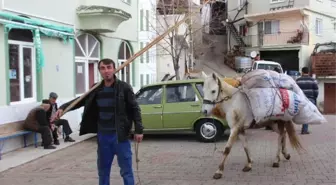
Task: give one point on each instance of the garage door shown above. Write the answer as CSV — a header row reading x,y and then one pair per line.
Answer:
x,y
289,59
330,98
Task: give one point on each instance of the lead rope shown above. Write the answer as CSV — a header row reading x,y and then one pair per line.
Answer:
x,y
137,160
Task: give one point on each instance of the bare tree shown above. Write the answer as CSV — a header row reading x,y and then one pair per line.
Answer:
x,y
189,40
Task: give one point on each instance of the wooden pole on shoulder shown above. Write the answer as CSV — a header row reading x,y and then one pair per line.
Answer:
x,y
148,46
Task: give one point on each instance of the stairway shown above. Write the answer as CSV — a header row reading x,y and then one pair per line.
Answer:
x,y
235,34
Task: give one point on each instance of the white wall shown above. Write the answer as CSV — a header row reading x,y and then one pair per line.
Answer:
x,y
147,69
164,57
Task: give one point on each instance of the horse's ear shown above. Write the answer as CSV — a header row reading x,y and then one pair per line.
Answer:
x,y
214,76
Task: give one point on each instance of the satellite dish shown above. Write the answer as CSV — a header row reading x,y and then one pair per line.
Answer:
x,y
253,54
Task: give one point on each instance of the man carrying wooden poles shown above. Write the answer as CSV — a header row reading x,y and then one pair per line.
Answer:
x,y
110,109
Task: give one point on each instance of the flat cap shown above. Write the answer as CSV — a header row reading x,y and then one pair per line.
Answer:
x,y
53,95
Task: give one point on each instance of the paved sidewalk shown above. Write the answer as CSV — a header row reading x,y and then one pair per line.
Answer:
x,y
180,160
24,155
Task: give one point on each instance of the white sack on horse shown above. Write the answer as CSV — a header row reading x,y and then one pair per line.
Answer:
x,y
261,78
282,104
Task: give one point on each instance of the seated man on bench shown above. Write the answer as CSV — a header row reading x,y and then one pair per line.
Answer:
x,y
36,121
60,122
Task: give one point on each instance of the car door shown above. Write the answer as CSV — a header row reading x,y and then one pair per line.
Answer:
x,y
150,102
181,106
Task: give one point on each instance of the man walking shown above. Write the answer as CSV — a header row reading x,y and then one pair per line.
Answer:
x,y
109,111
310,89
36,121
60,122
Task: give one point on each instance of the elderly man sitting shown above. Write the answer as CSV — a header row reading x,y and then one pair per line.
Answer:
x,y
36,121
60,122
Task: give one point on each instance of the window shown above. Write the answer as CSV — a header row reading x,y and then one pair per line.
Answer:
x,y
22,65
141,20
144,20
124,54
318,26
141,80
242,29
87,51
272,27
199,87
147,54
180,93
141,56
335,26
147,20
147,79
150,95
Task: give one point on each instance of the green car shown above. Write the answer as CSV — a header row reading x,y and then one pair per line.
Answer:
x,y
175,106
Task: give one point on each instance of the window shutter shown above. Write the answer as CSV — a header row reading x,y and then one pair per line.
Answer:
x,y
142,56
147,55
141,20
147,20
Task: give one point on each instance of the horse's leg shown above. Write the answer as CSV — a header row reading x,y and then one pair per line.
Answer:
x,y
233,136
275,127
283,142
243,138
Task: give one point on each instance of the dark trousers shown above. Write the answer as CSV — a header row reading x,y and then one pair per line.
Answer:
x,y
107,148
305,126
65,126
46,135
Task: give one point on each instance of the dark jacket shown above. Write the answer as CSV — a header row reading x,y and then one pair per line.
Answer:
x,y
35,119
50,110
309,87
127,111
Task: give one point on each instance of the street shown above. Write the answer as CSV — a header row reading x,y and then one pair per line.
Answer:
x,y
180,160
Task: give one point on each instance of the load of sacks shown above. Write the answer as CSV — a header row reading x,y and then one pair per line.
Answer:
x,y
275,96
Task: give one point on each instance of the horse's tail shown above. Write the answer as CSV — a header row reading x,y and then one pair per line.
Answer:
x,y
293,137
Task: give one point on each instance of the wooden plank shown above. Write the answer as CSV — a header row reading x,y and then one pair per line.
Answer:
x,y
147,47
9,128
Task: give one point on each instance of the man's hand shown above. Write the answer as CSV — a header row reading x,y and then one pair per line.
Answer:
x,y
138,137
53,126
57,115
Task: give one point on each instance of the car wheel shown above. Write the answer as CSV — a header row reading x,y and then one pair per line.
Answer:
x,y
208,130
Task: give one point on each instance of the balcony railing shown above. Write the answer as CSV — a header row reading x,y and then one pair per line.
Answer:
x,y
282,38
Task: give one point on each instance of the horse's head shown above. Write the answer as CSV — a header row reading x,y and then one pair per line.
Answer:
x,y
212,89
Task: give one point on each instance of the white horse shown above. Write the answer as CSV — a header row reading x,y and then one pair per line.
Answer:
x,y
239,117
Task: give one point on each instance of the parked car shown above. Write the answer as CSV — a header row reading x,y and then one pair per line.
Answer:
x,y
268,65
175,107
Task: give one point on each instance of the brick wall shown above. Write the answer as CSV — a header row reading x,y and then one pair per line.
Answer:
x,y
324,64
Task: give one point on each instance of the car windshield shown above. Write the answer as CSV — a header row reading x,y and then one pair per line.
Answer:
x,y
267,66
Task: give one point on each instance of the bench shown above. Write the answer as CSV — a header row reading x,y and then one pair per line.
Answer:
x,y
12,130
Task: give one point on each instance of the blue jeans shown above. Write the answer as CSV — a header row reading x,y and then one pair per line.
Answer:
x,y
304,128
107,148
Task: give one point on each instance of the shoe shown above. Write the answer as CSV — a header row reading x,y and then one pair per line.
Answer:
x,y
49,147
307,132
56,142
69,139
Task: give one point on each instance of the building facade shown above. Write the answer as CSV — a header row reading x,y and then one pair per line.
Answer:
x,y
285,31
147,25
56,48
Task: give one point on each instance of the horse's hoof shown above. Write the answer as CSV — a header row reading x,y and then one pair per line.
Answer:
x,y
287,157
275,165
247,169
217,176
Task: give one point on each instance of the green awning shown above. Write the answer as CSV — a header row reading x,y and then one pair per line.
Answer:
x,y
37,27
